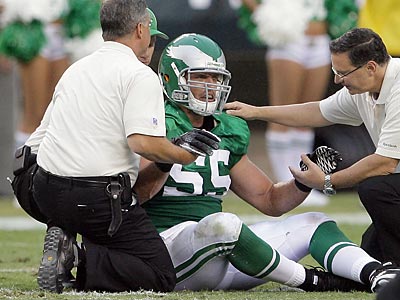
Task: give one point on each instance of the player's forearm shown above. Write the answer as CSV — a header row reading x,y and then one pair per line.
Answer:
x,y
260,192
285,196
277,199
149,182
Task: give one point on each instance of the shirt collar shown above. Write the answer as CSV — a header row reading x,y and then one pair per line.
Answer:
x,y
392,74
119,47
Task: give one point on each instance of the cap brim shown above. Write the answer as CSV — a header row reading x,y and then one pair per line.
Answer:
x,y
159,33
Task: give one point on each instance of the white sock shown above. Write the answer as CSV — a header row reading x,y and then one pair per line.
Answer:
x,y
285,267
278,146
302,142
349,261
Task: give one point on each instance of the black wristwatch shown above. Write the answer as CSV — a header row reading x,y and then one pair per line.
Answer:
x,y
328,186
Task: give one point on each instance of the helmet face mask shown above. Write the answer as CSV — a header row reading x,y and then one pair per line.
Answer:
x,y
183,68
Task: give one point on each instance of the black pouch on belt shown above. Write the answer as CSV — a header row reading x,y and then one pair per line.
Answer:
x,y
115,189
21,160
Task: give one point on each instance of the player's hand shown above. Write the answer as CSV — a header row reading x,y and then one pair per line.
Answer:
x,y
240,109
314,166
198,141
312,178
325,157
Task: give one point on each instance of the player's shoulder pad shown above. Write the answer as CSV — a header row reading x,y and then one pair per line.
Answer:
x,y
234,129
233,123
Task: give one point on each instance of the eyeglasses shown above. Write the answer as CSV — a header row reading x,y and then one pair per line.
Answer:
x,y
345,74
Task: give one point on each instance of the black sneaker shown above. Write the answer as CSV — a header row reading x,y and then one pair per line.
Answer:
x,y
318,280
381,276
390,291
60,250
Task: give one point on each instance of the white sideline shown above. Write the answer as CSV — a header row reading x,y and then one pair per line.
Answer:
x,y
26,223
360,218
20,223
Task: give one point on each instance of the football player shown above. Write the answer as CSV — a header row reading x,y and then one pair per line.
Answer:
x,y
154,33
212,249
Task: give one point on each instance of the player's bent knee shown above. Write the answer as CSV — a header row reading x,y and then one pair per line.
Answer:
x,y
306,225
219,226
313,219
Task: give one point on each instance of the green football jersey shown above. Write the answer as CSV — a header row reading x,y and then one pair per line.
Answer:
x,y
194,191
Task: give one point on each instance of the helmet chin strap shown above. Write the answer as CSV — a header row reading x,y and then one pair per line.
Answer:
x,y
203,108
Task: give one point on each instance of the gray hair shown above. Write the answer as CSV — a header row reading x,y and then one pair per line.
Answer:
x,y
119,18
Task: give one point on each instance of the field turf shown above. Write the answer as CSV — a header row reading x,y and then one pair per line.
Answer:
x,y
21,253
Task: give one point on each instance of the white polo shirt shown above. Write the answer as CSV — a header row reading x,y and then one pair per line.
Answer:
x,y
381,116
98,102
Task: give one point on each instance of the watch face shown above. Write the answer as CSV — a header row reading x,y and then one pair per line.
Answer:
x,y
329,191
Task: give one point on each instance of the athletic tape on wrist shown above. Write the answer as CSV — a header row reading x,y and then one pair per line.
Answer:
x,y
302,187
163,167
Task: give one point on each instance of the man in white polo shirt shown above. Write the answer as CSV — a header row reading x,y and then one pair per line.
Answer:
x,y
370,95
22,183
107,109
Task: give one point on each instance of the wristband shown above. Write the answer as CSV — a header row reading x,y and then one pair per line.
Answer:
x,y
302,187
163,167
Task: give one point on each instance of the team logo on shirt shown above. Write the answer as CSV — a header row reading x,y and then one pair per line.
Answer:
x,y
155,122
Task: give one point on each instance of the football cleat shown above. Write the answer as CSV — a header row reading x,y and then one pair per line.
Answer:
x,y
59,257
391,291
318,280
381,276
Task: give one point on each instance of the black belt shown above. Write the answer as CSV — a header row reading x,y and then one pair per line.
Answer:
x,y
115,187
98,181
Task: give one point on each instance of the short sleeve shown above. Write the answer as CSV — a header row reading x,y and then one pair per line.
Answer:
x,y
341,108
144,108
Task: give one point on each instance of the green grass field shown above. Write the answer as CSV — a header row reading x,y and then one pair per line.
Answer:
x,y
21,253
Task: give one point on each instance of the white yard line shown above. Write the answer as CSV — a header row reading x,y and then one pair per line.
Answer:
x,y
20,223
24,223
360,218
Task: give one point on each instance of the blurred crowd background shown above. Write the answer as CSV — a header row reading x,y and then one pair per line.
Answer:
x,y
217,19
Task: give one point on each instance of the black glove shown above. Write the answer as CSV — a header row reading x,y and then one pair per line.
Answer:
x,y
325,157
198,141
